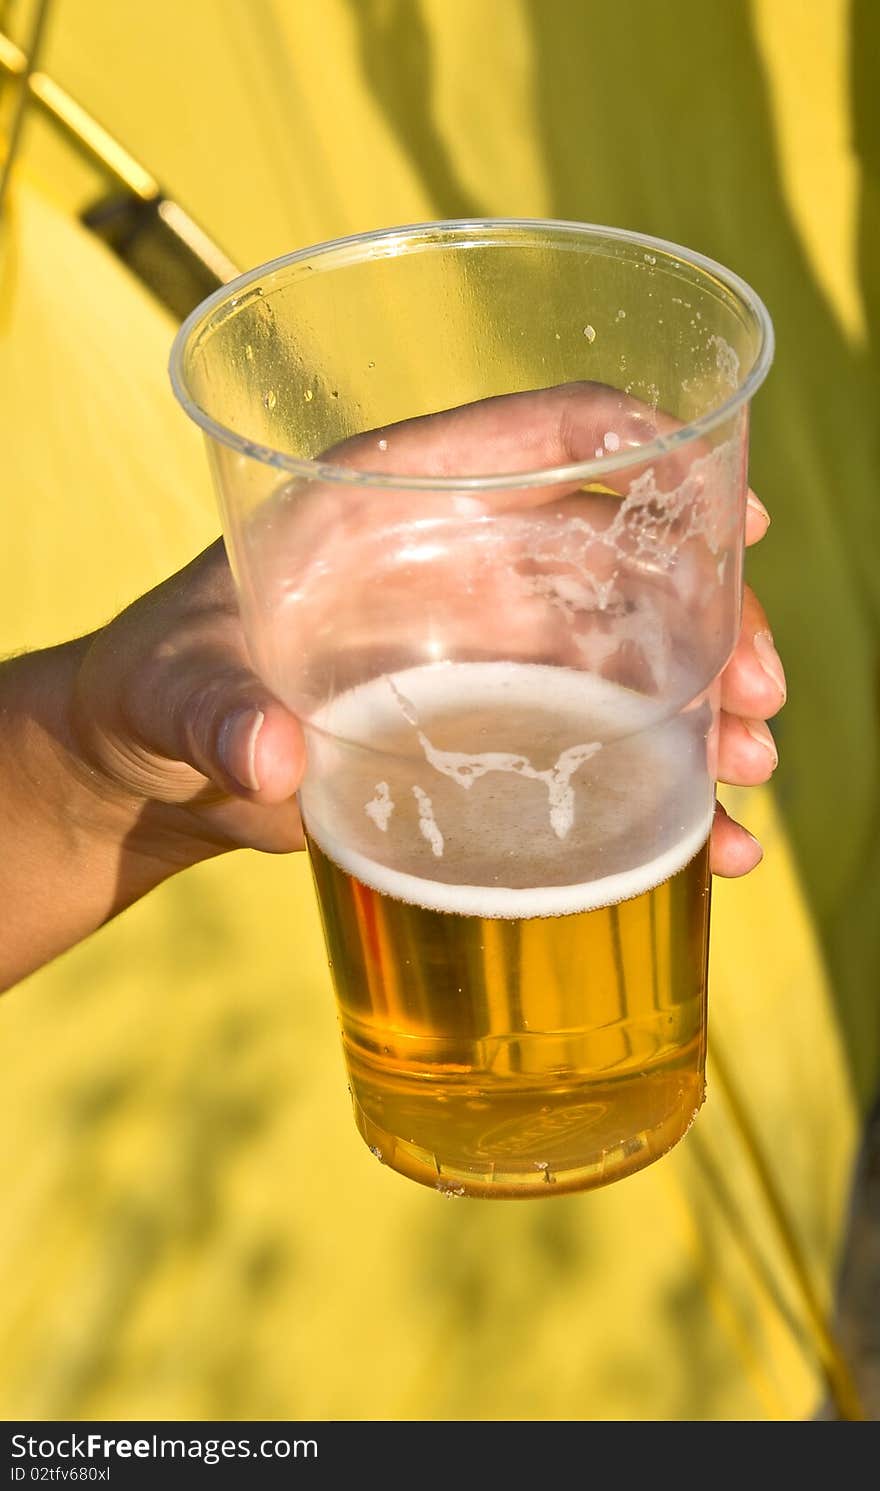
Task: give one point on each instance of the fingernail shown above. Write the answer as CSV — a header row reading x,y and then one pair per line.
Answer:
x,y
237,746
759,852
762,735
758,507
770,661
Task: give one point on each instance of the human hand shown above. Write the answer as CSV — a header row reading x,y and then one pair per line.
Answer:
x,y
170,713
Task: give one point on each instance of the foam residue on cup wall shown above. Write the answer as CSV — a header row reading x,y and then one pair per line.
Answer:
x,y
492,902
501,807
648,529
625,563
466,767
380,807
427,822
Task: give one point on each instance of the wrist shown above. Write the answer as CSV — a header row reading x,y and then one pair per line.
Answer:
x,y
47,776
74,850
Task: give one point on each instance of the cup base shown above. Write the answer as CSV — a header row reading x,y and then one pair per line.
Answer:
x,y
509,1179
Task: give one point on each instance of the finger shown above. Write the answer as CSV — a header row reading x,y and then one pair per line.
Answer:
x,y
273,828
255,745
205,707
186,696
517,432
534,431
733,851
757,519
747,752
753,683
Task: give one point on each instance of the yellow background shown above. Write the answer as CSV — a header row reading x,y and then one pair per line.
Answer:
x,y
191,1226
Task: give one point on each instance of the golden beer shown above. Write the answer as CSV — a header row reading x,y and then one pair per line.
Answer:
x,y
518,947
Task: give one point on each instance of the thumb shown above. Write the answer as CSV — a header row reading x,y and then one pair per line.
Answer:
x,y
234,731
166,690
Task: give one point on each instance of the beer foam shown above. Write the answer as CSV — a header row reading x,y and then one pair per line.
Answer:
x,y
370,708
355,720
428,827
466,767
499,903
380,807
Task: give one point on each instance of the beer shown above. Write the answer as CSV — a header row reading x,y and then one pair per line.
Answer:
x,y
516,915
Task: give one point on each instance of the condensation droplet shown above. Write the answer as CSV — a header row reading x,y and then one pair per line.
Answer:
x,y
308,395
249,352
270,399
590,333
382,444
371,364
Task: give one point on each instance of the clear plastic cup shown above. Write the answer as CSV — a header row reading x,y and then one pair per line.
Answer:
x,y
483,491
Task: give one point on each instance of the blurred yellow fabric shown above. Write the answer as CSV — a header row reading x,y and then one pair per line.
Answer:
x,y
192,1226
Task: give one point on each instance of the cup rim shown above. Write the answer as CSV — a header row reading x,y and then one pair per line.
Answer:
x,y
580,471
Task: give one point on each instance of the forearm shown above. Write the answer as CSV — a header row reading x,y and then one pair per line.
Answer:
x,y
72,850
